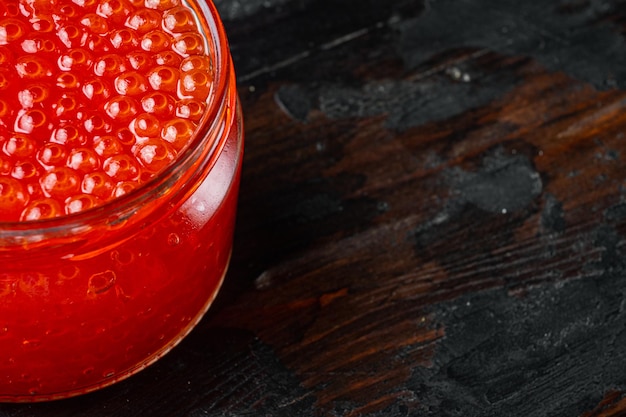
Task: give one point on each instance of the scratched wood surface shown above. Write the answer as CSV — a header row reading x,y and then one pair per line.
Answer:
x,y
432,218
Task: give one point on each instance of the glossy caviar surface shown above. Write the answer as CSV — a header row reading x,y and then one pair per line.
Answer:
x,y
96,97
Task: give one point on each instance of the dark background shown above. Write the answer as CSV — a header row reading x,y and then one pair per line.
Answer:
x,y
432,218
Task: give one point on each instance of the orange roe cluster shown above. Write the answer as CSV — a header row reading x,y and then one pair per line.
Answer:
x,y
96,97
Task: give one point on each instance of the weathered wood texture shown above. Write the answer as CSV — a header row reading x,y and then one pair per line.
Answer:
x,y
432,218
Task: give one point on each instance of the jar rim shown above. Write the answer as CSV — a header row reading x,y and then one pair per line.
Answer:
x,y
214,32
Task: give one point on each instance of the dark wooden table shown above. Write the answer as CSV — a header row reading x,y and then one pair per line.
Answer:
x,y
432,218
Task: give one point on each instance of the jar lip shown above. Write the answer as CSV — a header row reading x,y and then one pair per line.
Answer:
x,y
213,29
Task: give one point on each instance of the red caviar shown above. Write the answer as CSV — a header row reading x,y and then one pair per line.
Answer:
x,y
120,153
73,73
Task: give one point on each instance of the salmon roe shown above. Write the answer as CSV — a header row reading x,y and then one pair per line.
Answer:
x,y
96,97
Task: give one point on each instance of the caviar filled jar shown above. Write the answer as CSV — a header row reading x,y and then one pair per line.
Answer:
x,y
120,154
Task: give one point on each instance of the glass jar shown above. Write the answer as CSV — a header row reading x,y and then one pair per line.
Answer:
x,y
89,299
